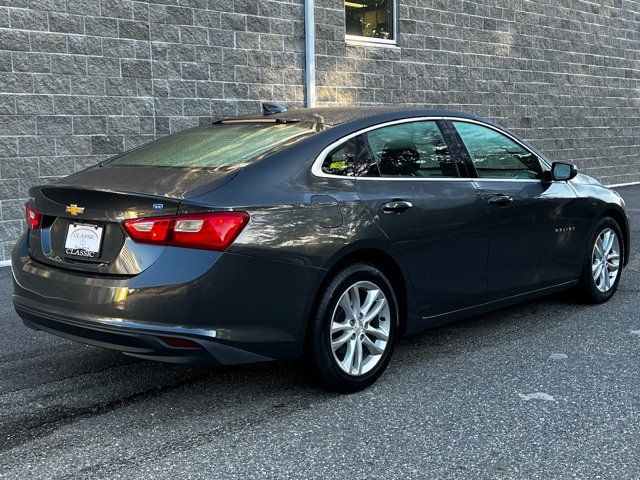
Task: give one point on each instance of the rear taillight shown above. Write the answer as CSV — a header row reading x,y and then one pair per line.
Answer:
x,y
149,230
214,231
209,231
33,216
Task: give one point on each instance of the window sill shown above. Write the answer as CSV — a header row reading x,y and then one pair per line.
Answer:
x,y
365,43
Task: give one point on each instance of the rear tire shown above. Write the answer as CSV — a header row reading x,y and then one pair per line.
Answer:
x,y
354,329
602,264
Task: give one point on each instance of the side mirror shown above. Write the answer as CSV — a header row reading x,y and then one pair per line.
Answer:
x,y
563,171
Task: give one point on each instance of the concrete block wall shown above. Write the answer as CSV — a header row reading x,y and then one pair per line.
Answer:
x,y
81,80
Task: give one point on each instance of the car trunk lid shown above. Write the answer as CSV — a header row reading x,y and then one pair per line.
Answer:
x,y
82,214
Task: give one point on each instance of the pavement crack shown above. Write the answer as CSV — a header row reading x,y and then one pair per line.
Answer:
x,y
70,377
231,429
29,428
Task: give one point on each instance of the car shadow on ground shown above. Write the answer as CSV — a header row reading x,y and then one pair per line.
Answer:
x,y
68,361
70,381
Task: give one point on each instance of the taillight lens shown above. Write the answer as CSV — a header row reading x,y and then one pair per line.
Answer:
x,y
149,230
209,231
33,216
213,231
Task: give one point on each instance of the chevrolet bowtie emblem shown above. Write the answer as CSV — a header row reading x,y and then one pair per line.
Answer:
x,y
74,209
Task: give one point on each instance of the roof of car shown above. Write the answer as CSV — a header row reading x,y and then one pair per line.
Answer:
x,y
331,116
359,117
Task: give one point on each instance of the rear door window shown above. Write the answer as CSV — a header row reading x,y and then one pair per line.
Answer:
x,y
412,149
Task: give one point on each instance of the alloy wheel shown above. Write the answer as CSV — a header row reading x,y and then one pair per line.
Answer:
x,y
605,265
360,327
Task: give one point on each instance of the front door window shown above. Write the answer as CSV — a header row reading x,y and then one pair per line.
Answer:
x,y
495,155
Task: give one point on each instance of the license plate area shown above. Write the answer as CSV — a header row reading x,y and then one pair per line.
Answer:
x,y
84,240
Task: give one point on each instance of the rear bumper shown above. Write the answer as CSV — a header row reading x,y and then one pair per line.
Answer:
x,y
236,308
133,338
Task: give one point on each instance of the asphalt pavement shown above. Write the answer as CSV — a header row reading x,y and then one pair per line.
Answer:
x,y
546,390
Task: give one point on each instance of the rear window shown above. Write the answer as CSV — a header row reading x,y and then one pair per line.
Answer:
x,y
217,145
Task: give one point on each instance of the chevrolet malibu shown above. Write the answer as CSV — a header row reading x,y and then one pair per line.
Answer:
x,y
320,233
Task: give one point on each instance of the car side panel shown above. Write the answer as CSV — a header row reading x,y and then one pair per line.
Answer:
x,y
442,238
301,219
536,240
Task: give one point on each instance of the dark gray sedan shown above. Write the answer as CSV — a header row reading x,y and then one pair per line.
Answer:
x,y
323,233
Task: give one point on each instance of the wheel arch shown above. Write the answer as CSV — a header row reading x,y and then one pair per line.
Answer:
x,y
382,257
621,219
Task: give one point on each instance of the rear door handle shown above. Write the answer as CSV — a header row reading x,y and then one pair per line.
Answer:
x,y
396,206
500,200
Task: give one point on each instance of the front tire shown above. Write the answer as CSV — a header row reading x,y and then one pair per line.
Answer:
x,y
354,328
602,265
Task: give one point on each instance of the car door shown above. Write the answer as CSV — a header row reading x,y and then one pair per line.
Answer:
x,y
413,190
532,242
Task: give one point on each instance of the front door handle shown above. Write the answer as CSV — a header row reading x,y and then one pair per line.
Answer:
x,y
396,206
500,200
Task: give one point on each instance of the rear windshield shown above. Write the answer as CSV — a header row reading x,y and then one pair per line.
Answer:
x,y
216,146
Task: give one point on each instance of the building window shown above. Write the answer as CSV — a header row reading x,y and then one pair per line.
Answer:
x,y
371,20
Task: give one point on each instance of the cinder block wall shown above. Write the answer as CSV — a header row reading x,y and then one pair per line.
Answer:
x,y
81,80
